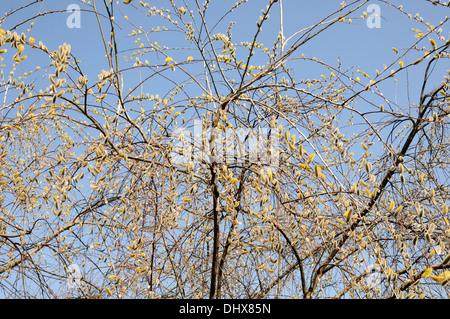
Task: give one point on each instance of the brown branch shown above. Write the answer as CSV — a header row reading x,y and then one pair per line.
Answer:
x,y
216,229
297,256
238,196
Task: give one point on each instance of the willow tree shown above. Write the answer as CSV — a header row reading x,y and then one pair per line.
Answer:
x,y
198,166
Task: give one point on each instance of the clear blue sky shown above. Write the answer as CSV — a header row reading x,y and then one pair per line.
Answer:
x,y
356,44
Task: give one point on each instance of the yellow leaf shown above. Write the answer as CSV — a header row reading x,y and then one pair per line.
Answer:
x,y
433,44
392,206
189,59
301,149
317,170
396,51
446,260
261,267
427,273
106,288
291,146
269,173
168,59
441,277
398,210
348,214
417,61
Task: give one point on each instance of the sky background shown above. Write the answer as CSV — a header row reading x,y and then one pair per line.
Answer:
x,y
356,45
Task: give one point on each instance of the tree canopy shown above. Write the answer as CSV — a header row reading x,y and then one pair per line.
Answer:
x,y
181,149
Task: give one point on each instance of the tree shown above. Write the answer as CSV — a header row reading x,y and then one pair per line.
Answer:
x,y
198,166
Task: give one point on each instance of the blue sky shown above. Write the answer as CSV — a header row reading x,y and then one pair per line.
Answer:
x,y
357,45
